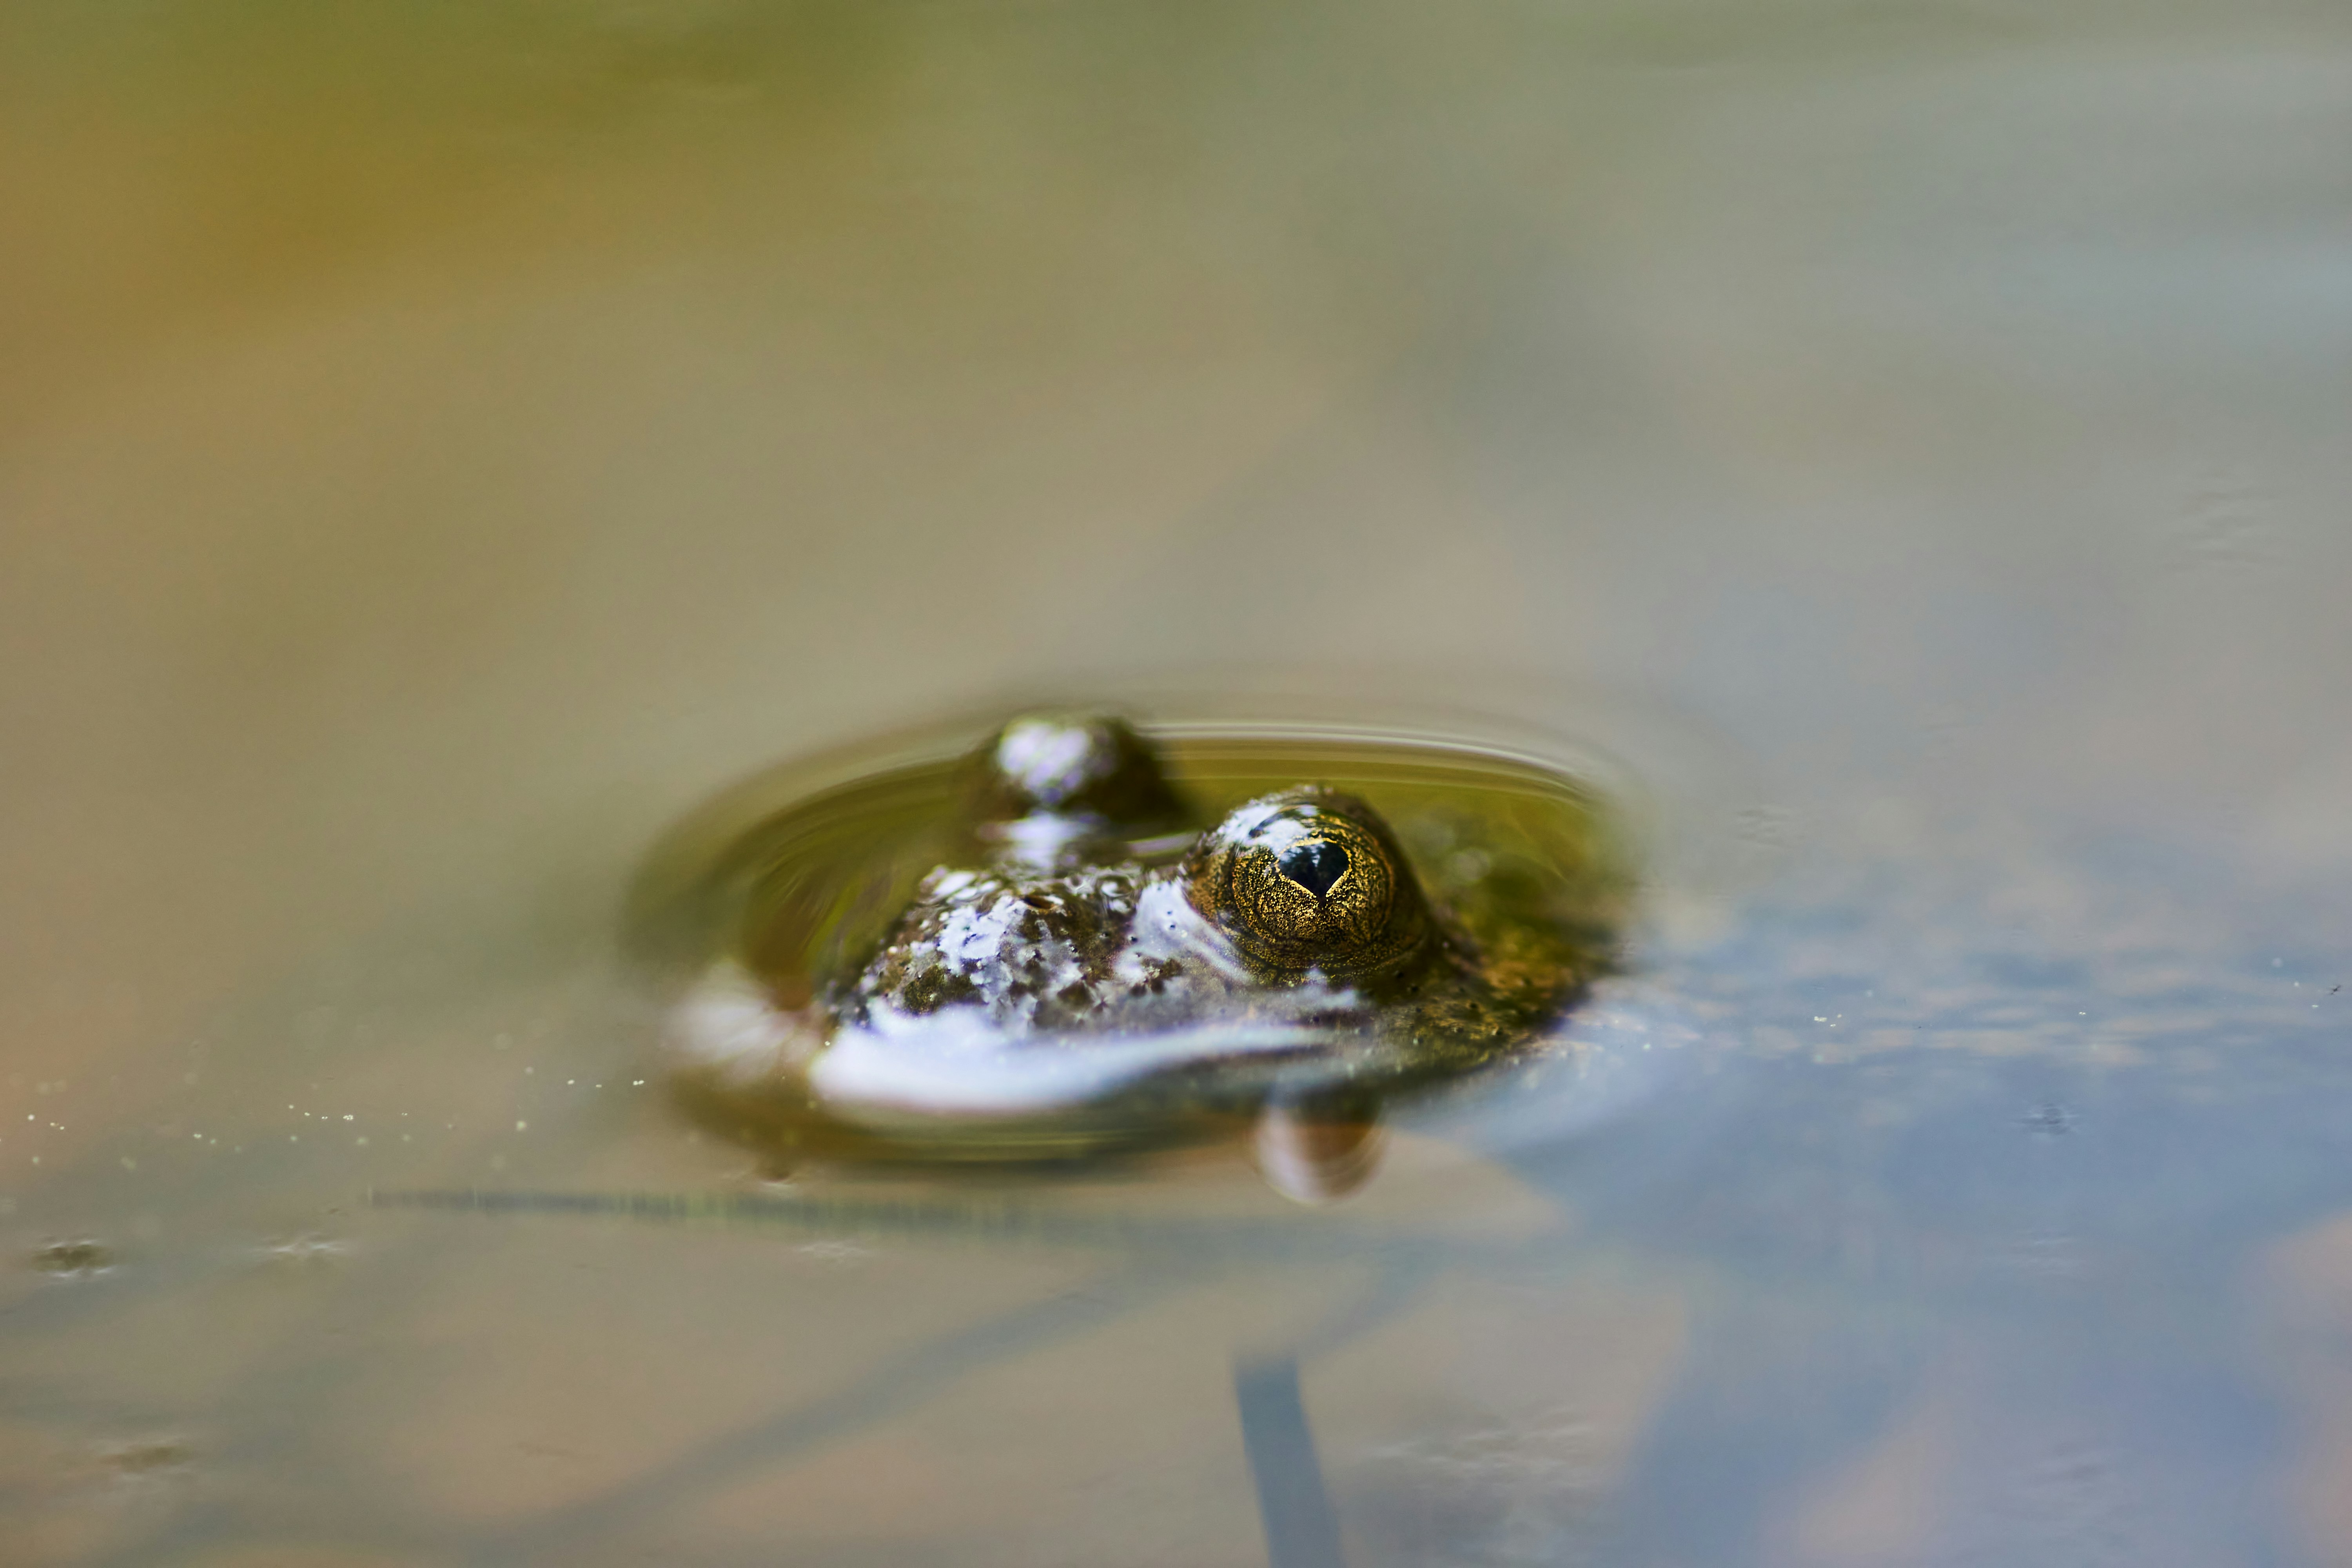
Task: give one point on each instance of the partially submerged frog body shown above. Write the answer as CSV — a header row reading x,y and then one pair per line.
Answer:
x,y
1090,969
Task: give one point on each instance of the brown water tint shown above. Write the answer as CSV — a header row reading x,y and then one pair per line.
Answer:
x,y
438,441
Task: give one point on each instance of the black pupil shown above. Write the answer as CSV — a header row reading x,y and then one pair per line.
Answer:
x,y
1314,866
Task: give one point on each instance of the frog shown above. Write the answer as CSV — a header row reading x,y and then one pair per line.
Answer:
x,y
1095,965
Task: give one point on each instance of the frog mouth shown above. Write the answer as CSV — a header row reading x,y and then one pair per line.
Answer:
x,y
955,1065
959,1065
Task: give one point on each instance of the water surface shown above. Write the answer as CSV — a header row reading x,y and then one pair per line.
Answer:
x,y
437,450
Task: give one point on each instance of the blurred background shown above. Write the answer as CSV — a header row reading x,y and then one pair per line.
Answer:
x,y
440,444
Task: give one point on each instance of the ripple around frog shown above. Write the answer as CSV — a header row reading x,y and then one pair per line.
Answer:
x,y
760,912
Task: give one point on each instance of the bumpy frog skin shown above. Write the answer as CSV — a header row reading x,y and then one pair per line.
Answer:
x,y
1090,970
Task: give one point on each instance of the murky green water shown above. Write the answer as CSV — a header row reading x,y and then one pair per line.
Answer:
x,y
1898,449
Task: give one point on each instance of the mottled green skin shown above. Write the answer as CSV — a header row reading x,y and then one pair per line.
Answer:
x,y
1055,931
1087,967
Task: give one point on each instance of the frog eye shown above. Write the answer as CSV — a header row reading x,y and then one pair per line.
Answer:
x,y
1314,882
1308,879
1080,765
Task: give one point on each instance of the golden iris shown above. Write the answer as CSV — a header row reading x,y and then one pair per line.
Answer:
x,y
1308,879
1328,885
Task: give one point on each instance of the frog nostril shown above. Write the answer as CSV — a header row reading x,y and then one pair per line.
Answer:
x,y
1314,866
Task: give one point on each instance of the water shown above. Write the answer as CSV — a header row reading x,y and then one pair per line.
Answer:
x,y
437,452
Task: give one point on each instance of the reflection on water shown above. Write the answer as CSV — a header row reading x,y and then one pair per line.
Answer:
x,y
437,451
